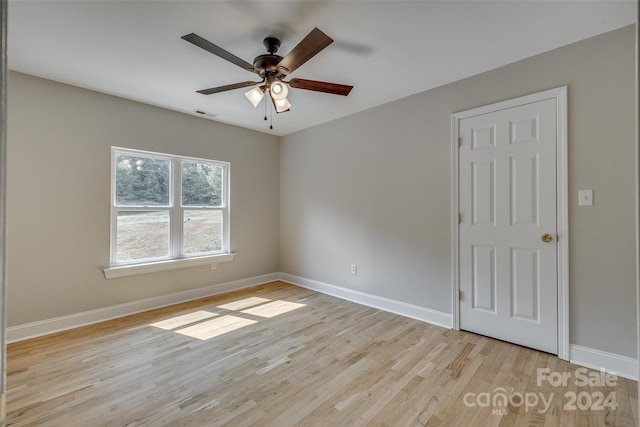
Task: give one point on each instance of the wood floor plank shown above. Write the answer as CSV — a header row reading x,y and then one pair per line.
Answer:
x,y
279,355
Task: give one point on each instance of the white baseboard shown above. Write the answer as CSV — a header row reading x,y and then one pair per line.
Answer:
x,y
62,323
621,366
434,317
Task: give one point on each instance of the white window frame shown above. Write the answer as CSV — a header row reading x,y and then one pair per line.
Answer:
x,y
175,259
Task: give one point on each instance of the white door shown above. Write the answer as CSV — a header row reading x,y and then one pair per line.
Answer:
x,y
508,227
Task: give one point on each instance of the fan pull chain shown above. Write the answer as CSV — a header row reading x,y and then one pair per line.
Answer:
x,y
265,110
271,125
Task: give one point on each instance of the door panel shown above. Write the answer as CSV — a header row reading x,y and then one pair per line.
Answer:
x,y
524,192
507,199
484,278
525,285
483,177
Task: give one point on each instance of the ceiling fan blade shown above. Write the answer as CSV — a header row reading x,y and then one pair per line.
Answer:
x,y
310,46
216,50
333,88
227,87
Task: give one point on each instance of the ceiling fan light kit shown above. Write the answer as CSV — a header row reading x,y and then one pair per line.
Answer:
x,y
281,105
278,90
274,68
255,95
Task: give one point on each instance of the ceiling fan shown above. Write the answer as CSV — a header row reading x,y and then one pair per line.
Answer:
x,y
273,69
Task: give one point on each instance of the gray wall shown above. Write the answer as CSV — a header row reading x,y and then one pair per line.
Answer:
x,y
59,140
374,189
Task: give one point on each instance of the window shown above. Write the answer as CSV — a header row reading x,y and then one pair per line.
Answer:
x,y
167,208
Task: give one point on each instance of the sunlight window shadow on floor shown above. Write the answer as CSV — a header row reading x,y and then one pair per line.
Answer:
x,y
204,325
244,303
273,309
183,320
213,328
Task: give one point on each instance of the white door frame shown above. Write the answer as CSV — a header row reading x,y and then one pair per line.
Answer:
x,y
560,96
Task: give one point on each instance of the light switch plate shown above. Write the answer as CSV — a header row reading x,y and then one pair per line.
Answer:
x,y
585,197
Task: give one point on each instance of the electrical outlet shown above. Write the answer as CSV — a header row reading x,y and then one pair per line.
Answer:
x,y
354,269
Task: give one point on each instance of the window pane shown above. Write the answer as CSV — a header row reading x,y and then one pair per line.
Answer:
x,y
201,184
142,235
142,181
202,231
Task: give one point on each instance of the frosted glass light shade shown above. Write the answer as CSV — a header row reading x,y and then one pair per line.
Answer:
x,y
281,105
279,90
255,95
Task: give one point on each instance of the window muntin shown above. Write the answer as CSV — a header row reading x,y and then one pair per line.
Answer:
x,y
167,207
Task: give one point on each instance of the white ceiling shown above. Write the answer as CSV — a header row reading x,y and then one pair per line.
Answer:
x,y
386,49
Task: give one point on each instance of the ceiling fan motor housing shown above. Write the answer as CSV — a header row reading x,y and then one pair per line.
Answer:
x,y
267,64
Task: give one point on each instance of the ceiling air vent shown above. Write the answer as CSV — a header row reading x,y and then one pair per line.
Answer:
x,y
204,113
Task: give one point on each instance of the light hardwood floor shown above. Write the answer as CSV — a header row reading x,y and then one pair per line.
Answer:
x,y
279,355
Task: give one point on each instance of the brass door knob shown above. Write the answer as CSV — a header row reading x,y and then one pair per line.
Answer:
x,y
547,238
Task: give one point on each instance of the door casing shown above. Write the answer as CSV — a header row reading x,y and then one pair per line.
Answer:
x,y
560,96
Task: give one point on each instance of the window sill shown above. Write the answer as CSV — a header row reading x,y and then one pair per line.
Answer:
x,y
113,272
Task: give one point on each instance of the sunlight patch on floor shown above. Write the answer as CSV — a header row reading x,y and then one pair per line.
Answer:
x,y
244,303
213,328
273,309
185,319
204,325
